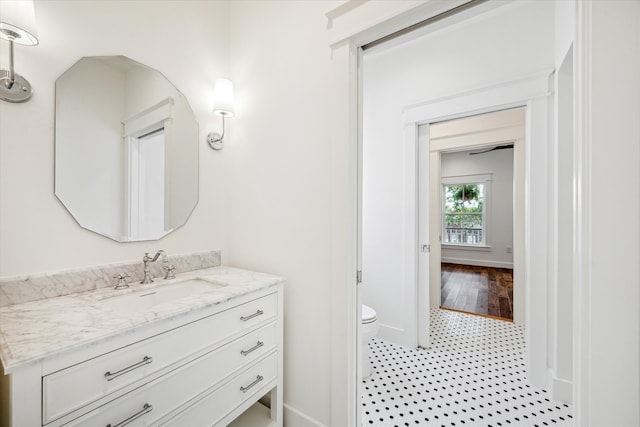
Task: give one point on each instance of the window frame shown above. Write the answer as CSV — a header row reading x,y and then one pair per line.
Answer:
x,y
475,179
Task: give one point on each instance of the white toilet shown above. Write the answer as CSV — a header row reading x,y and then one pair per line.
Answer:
x,y
369,330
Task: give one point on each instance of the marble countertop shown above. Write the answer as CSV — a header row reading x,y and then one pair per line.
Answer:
x,y
34,330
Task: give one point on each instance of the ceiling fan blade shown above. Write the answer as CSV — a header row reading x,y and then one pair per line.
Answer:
x,y
499,147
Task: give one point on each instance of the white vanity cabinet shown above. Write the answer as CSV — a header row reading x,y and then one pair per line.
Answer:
x,y
206,367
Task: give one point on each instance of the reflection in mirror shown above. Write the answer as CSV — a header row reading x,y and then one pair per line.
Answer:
x,y
126,149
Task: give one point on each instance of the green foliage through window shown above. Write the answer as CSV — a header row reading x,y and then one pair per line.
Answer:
x,y
464,214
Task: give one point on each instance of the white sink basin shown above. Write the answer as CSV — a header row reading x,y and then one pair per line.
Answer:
x,y
148,298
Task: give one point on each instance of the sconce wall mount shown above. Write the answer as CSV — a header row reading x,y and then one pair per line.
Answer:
x,y
17,25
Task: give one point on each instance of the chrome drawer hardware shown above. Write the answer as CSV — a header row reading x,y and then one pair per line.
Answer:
x,y
256,314
111,375
255,347
247,388
145,409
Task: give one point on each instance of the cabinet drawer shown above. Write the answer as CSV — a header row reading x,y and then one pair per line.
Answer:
x,y
214,406
160,397
79,385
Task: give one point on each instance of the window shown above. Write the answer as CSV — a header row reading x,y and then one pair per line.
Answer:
x,y
464,212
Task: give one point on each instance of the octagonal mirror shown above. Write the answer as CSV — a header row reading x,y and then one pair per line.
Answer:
x,y
126,149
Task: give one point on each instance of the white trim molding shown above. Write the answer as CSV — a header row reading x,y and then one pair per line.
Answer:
x,y
293,417
478,262
581,218
606,386
149,119
364,21
498,96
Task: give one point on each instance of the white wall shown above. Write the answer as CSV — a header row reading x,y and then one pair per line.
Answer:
x,y
280,148
512,41
499,205
38,234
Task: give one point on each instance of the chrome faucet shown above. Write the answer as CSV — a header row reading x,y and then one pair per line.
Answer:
x,y
146,260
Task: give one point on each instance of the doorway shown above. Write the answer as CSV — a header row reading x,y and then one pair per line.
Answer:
x,y
473,206
399,246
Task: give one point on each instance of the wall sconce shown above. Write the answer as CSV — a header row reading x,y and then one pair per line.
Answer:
x,y
18,25
222,106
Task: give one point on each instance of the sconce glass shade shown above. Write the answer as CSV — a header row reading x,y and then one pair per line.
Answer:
x,y
223,98
18,22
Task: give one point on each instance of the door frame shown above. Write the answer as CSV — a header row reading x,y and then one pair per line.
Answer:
x,y
346,40
367,22
534,93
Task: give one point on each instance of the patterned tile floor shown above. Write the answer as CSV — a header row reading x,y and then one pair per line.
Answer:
x,y
472,375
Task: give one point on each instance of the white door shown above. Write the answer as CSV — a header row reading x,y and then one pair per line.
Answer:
x,y
425,246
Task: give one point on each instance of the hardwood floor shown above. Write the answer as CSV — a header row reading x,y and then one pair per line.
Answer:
x,y
486,291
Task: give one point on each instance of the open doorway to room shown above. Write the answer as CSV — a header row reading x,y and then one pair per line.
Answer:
x,y
475,209
410,91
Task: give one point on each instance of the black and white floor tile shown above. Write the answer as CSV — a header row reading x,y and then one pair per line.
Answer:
x,y
472,375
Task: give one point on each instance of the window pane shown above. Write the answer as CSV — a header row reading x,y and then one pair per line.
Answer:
x,y
463,214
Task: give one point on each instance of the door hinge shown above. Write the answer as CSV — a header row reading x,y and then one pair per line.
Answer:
x,y
425,249
358,277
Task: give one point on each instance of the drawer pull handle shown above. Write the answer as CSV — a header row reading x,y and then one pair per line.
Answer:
x,y
256,314
145,409
111,375
255,347
247,388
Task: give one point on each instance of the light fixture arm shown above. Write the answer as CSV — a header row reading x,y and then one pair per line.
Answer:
x,y
13,87
12,72
215,140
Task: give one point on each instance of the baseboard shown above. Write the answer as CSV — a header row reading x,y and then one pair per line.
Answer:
x,y
478,262
562,390
395,335
295,418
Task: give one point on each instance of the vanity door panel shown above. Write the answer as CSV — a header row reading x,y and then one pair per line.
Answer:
x,y
156,399
70,389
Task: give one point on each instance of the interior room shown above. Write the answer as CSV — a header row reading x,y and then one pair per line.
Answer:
x,y
227,286
477,262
